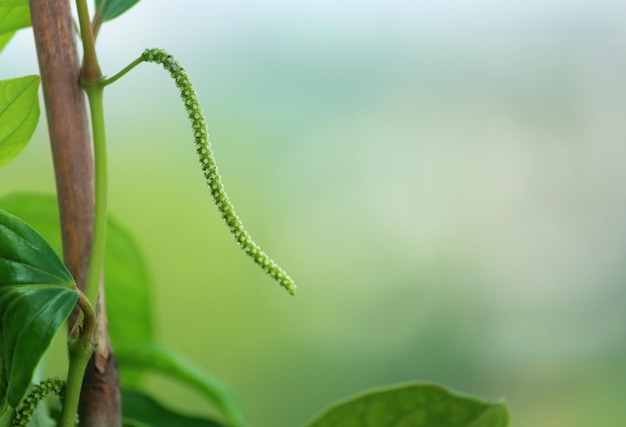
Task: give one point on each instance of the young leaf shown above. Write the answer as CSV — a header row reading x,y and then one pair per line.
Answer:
x,y
424,405
19,113
109,9
37,294
158,358
14,14
140,410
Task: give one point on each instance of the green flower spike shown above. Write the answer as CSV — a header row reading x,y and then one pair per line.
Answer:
x,y
209,167
26,409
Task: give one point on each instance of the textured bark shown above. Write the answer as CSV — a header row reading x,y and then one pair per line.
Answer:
x,y
68,126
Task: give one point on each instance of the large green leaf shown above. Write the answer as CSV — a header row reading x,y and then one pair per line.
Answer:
x,y
154,357
128,294
31,317
414,405
109,9
14,14
126,275
37,294
5,415
140,410
19,113
128,288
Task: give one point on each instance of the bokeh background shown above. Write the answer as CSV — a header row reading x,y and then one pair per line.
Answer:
x,y
445,180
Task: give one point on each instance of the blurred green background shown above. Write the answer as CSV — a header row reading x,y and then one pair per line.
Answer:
x,y
444,180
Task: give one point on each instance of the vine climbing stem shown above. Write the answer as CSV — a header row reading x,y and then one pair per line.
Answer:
x,y
91,80
68,126
81,348
96,261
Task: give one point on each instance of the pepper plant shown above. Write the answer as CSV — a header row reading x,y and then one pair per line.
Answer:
x,y
40,294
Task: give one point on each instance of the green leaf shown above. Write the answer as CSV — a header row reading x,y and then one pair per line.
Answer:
x,y
26,258
128,294
37,294
126,274
140,410
414,405
5,415
5,38
41,211
109,9
149,356
19,113
128,288
14,14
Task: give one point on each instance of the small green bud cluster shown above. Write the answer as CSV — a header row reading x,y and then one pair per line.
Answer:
x,y
26,409
209,167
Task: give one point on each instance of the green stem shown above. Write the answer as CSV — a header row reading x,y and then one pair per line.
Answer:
x,y
81,348
80,353
96,261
